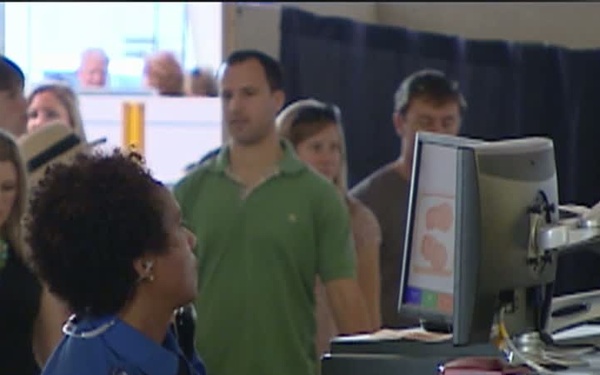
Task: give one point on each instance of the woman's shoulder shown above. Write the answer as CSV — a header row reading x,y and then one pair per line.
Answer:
x,y
365,227
75,356
360,212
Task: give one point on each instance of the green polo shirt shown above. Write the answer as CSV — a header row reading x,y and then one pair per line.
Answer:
x,y
258,254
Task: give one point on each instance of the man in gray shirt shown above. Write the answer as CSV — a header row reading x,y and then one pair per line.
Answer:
x,y
424,101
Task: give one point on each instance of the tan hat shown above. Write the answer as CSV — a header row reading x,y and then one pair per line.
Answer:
x,y
49,144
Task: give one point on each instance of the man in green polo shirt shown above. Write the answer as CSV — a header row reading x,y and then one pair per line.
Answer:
x,y
267,225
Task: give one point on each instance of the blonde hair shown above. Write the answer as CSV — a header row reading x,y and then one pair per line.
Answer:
x,y
67,97
11,229
291,116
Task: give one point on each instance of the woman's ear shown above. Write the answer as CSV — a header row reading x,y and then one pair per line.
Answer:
x,y
144,268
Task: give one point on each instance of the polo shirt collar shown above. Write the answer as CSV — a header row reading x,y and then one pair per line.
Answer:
x,y
289,163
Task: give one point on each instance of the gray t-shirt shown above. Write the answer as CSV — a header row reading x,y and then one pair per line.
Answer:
x,y
386,193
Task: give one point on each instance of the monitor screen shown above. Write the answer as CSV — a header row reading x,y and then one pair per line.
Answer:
x,y
428,269
430,277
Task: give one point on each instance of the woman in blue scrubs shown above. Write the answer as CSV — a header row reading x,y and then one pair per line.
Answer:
x,y
109,240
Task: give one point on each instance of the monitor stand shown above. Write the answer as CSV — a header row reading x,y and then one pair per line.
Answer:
x,y
436,326
532,347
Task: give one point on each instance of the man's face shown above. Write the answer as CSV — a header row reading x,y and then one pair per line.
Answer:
x,y
93,71
426,115
249,106
13,111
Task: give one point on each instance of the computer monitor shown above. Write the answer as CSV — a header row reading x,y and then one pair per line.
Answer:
x,y
468,233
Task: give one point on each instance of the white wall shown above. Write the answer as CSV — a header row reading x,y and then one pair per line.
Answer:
x,y
573,24
205,19
178,131
258,26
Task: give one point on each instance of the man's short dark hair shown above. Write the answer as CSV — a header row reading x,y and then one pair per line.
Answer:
x,y
429,84
89,221
272,68
11,75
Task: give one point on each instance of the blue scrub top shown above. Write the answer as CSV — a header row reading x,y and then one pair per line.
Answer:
x,y
112,347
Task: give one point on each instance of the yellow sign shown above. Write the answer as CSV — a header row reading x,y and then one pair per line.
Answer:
x,y
133,127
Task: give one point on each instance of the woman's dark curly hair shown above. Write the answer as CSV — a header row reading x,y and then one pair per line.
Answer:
x,y
89,221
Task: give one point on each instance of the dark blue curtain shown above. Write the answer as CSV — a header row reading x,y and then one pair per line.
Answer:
x,y
512,90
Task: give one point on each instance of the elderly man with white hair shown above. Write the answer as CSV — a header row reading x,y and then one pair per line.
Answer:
x,y
93,69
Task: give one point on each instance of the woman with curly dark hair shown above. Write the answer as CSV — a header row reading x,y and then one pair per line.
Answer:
x,y
109,240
